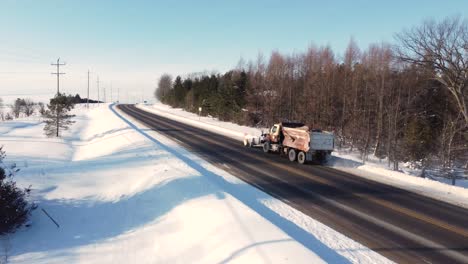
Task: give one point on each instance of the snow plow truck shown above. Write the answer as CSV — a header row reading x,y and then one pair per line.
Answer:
x,y
296,141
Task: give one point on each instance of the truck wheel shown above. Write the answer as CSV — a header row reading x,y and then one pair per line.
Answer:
x,y
301,157
292,154
266,147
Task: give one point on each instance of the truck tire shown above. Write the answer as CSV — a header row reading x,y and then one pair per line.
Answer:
x,y
301,157
266,147
292,154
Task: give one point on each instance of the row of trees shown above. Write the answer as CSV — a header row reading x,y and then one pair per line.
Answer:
x,y
223,96
55,114
24,107
405,102
20,107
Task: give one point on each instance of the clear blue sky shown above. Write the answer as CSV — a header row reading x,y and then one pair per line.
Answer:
x,y
130,43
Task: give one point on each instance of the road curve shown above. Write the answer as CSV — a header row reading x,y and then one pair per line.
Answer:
x,y
400,225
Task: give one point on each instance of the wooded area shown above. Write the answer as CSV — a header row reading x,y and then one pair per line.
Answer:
x,y
406,102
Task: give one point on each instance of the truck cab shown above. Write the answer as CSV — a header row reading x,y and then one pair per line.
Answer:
x,y
274,134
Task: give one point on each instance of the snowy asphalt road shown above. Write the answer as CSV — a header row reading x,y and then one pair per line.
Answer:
x,y
403,226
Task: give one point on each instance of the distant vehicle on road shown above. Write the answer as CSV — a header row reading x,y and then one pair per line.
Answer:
x,y
296,141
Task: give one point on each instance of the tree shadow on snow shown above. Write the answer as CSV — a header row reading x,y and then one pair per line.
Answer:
x,y
83,223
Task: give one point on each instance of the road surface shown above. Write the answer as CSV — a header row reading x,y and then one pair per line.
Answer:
x,y
400,225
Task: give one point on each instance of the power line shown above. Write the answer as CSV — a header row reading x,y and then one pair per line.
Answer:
x,y
58,73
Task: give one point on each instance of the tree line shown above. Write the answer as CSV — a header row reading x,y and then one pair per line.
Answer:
x,y
25,107
404,102
20,107
55,114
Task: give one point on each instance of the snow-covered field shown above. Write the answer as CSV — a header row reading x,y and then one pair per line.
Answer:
x,y
122,193
374,169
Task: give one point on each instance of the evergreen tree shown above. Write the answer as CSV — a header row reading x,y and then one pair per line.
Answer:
x,y
14,207
57,117
77,99
419,139
179,92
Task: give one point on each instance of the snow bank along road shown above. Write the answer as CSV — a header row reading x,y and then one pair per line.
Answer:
x,y
401,225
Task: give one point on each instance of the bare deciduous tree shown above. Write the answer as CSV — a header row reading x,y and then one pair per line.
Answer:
x,y
164,86
443,46
28,107
42,109
17,107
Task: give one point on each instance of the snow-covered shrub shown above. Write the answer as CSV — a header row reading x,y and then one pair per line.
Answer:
x,y
14,207
8,116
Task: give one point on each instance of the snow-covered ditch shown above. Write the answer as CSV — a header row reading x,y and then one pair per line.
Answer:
x,y
122,193
374,169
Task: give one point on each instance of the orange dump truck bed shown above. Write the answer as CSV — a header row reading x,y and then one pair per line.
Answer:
x,y
297,138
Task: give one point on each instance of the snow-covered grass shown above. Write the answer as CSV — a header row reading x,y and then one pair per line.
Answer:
x,y
124,194
374,169
407,178
347,158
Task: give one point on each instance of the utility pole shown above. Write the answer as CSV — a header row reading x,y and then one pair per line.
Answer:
x,y
98,100
87,98
104,94
58,73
